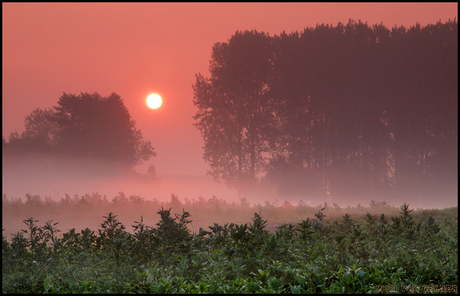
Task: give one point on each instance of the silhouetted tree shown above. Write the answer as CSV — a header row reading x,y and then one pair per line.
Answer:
x,y
84,125
345,110
359,102
423,105
234,112
40,131
91,125
151,171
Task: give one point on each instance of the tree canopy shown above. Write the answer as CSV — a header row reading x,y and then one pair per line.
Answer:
x,y
85,125
339,110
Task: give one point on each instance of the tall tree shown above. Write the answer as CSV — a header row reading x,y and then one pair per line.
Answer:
x,y
371,106
423,104
234,112
91,125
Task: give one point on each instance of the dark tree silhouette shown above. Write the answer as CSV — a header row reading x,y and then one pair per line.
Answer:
x,y
39,135
84,125
423,106
91,125
346,110
234,114
41,131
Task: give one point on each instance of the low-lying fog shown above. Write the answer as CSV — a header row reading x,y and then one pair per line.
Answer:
x,y
53,177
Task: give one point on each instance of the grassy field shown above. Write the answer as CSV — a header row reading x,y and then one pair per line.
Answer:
x,y
171,247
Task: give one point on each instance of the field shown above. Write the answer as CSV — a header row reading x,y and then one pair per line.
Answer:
x,y
171,247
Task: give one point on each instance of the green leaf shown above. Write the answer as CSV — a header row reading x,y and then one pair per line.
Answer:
x,y
301,279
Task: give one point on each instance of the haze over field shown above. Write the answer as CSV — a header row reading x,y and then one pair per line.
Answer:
x,y
298,102
55,177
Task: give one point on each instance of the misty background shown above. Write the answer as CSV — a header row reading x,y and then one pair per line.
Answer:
x,y
340,114
50,48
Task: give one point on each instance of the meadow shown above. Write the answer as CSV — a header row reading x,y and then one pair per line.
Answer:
x,y
88,244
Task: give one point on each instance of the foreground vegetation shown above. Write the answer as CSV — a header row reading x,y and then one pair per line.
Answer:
x,y
410,251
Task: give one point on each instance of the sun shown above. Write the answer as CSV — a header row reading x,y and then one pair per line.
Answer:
x,y
154,101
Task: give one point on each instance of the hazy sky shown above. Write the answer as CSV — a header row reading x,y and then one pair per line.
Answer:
x,y
137,49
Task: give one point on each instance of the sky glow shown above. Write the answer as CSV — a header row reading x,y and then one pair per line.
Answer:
x,y
141,48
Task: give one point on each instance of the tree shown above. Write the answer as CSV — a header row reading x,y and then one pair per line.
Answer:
x,y
367,103
14,142
234,112
422,106
84,125
151,171
321,84
143,150
352,108
40,130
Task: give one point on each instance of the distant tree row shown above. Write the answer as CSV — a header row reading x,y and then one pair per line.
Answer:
x,y
333,110
84,125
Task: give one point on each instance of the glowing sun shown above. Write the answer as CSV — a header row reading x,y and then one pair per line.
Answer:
x,y
154,101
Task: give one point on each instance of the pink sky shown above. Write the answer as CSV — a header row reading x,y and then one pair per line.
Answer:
x,y
137,49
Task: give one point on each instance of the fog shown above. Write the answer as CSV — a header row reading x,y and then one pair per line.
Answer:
x,y
53,178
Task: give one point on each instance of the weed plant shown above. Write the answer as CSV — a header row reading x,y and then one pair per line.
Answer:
x,y
406,251
81,212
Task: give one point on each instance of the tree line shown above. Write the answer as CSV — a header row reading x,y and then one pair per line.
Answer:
x,y
86,125
333,110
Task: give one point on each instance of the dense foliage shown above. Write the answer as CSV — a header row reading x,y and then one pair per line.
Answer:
x,y
408,252
334,110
